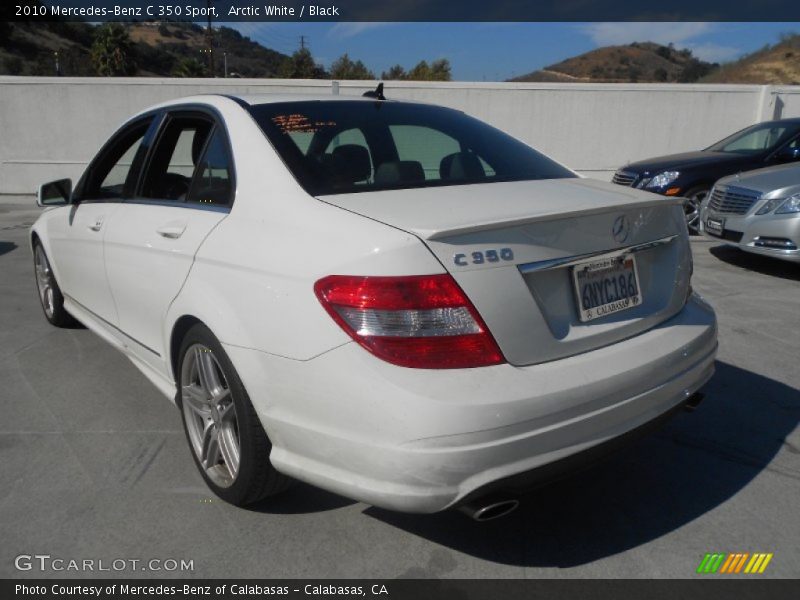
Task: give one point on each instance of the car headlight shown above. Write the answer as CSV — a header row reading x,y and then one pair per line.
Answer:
x,y
770,205
792,205
663,179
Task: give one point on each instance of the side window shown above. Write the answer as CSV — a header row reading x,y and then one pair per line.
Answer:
x,y
424,145
110,174
175,157
213,180
349,136
756,140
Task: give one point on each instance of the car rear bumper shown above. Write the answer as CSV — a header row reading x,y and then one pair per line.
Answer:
x,y
421,441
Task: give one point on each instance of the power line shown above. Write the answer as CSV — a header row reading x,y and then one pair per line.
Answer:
x,y
210,38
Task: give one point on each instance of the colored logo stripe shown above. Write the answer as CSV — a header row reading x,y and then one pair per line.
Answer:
x,y
710,563
758,563
728,562
720,562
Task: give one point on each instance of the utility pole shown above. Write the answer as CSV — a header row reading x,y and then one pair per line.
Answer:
x,y
210,41
302,42
225,62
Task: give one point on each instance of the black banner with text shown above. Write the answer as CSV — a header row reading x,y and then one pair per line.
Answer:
x,y
419,10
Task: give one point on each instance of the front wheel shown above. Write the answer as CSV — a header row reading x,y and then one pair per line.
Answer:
x,y
50,296
229,445
694,198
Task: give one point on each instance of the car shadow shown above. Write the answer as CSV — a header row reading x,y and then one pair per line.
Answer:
x,y
301,498
6,247
694,464
754,262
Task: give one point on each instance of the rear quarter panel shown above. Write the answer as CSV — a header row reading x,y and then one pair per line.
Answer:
x,y
252,282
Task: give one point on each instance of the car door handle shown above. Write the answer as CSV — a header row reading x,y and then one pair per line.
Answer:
x,y
171,231
97,225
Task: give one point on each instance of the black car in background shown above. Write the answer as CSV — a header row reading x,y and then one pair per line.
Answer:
x,y
692,174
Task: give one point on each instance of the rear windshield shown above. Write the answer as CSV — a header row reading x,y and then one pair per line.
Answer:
x,y
354,146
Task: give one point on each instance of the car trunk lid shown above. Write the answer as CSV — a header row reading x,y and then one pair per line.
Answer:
x,y
513,248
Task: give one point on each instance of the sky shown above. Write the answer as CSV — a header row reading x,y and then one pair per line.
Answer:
x,y
499,51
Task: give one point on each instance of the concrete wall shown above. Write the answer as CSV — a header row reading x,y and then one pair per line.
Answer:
x,y
50,127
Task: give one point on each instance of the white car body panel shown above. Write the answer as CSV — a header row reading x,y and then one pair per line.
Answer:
x,y
437,212
149,268
250,268
431,437
527,313
78,237
417,440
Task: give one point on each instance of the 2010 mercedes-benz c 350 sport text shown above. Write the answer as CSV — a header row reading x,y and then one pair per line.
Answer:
x,y
393,301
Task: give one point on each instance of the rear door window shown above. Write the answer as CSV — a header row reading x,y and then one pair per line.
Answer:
x,y
175,157
213,181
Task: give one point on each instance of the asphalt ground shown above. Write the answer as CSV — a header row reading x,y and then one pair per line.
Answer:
x,y
94,465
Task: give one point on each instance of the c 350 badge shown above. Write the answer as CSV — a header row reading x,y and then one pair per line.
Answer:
x,y
481,257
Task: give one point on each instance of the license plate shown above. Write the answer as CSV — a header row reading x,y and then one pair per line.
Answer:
x,y
607,286
715,226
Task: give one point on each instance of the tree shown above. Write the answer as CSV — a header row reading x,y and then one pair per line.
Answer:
x,y
112,51
664,52
5,32
440,70
189,67
344,68
301,65
694,70
420,72
394,73
13,65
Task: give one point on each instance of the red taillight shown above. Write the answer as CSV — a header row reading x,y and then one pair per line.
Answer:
x,y
420,321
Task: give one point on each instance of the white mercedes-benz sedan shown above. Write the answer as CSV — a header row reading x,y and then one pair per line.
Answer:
x,y
389,300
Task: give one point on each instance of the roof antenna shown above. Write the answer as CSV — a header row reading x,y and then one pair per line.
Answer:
x,y
377,93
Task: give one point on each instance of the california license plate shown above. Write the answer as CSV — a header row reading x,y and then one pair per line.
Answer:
x,y
715,226
606,286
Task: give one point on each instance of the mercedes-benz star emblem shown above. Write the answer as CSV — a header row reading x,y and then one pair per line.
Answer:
x,y
621,229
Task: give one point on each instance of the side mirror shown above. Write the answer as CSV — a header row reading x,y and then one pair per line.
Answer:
x,y
55,193
788,154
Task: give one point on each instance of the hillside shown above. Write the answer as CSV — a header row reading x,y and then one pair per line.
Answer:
x,y
778,64
159,49
637,62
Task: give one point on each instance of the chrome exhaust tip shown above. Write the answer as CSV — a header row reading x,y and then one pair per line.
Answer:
x,y
489,509
694,401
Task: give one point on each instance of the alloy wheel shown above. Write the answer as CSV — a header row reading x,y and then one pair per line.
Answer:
x,y
44,281
210,415
691,208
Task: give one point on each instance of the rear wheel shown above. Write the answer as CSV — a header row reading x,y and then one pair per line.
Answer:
x,y
694,198
229,445
50,296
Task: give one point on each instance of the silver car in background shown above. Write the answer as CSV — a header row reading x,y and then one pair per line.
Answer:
x,y
758,211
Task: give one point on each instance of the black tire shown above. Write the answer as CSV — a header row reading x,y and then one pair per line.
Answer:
x,y
50,297
694,197
256,478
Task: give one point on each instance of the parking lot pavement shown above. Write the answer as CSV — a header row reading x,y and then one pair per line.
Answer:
x,y
94,465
